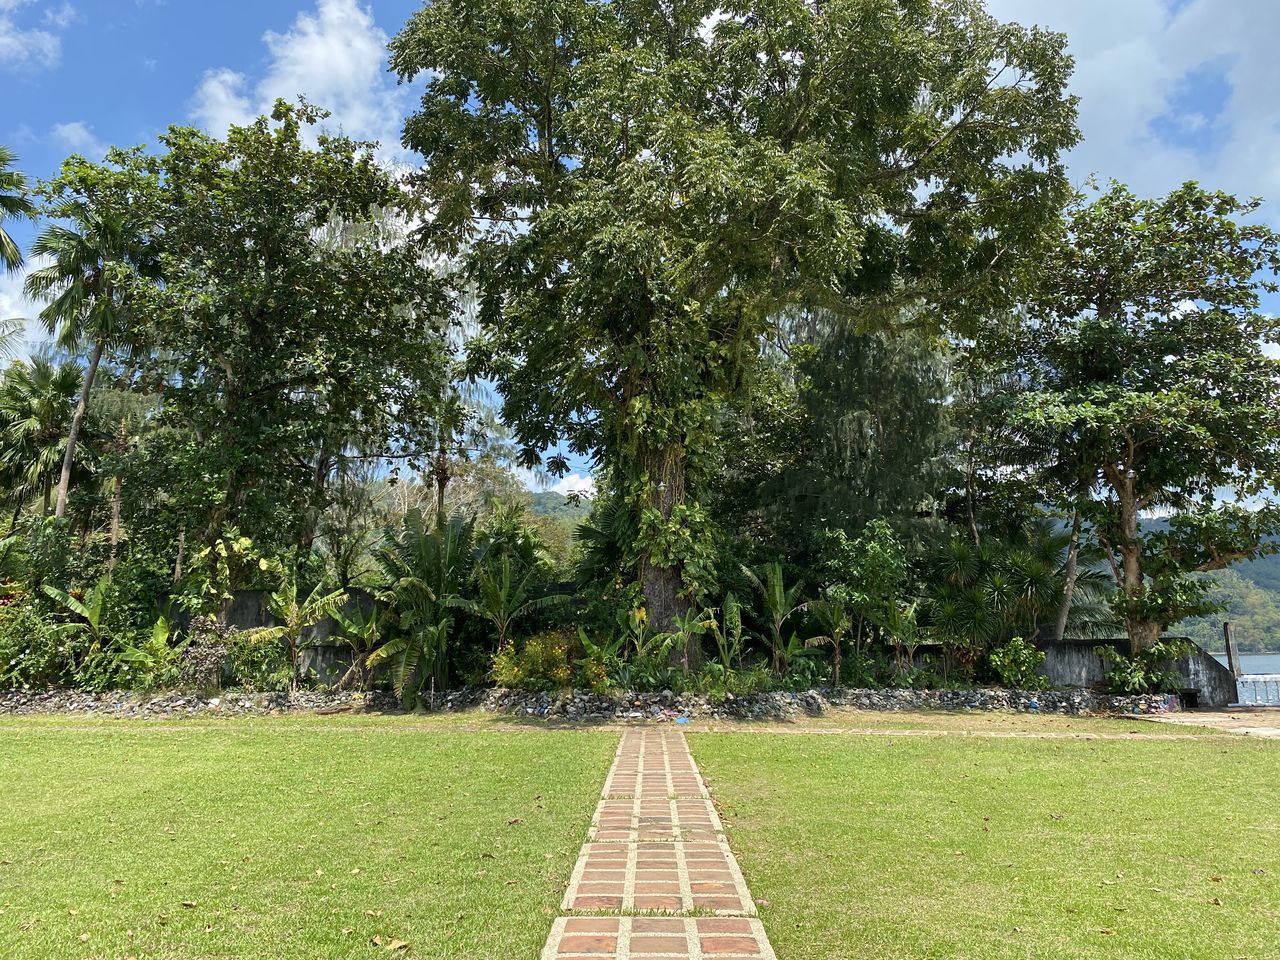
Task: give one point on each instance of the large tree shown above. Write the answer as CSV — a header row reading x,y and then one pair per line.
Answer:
x,y
1146,371
99,239
641,187
295,331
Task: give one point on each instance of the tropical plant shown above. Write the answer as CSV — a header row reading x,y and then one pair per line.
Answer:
x,y
15,204
1018,664
426,568
36,398
152,661
360,630
91,611
541,663
505,596
979,596
294,617
780,603
96,244
836,622
901,625
1153,669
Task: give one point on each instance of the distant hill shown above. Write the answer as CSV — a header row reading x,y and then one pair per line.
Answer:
x,y
548,503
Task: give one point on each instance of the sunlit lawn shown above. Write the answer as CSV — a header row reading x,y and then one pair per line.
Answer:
x,y
272,838
955,847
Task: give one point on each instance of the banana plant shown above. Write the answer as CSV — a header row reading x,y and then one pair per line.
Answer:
x,y
361,632
295,617
91,611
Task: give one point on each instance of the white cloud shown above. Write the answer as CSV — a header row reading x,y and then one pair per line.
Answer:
x,y
1134,61
14,305
575,483
220,101
28,42
336,57
79,137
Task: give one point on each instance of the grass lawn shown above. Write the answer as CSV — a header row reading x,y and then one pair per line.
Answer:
x,y
966,848
281,838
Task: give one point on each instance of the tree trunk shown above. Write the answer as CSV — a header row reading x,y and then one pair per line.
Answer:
x,y
1072,573
835,667
663,586
315,509
77,422
442,476
116,485
182,548
1142,633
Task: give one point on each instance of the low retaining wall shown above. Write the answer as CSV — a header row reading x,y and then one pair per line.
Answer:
x,y
1076,663
585,706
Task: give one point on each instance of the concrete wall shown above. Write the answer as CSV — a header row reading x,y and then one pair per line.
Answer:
x,y
324,657
1076,663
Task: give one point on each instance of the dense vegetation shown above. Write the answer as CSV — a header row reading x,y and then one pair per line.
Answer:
x,y
869,393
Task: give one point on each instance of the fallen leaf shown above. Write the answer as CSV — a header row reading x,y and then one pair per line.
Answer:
x,y
1215,901
515,820
189,904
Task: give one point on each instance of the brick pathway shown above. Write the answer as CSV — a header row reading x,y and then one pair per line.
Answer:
x,y
656,879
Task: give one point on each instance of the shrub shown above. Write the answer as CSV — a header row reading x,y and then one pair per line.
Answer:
x,y
1151,671
1017,664
542,663
259,661
33,653
204,660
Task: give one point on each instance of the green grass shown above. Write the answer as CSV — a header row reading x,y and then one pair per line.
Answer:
x,y
985,848
276,838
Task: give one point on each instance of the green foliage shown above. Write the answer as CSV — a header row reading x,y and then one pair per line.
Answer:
x,y
426,569
1144,368
638,197
33,651
259,661
291,320
294,616
779,603
15,204
540,663
1018,664
1151,670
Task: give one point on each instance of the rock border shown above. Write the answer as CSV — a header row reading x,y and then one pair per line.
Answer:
x,y
584,706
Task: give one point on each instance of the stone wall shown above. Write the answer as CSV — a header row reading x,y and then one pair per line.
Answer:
x,y
586,707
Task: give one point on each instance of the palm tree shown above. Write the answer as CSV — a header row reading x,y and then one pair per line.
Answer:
x,y
89,256
14,205
836,621
780,603
426,568
504,598
36,399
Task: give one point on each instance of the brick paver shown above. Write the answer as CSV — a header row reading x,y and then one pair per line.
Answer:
x,y
656,846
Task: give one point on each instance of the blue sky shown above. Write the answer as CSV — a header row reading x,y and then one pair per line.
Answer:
x,y
1171,89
